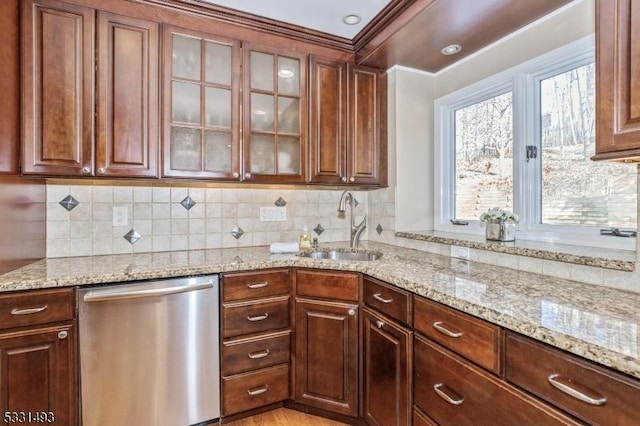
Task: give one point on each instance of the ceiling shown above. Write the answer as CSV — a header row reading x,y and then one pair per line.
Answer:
x,y
324,15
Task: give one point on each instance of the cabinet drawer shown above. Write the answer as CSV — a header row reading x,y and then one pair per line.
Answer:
x,y
252,390
599,396
255,316
254,285
36,307
241,355
328,285
470,337
392,302
453,391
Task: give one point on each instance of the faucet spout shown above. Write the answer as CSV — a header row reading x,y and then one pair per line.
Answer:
x,y
356,230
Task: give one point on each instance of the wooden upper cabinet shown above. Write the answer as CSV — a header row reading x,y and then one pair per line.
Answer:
x,y
348,124
127,107
275,115
617,79
58,87
10,87
366,134
328,138
201,105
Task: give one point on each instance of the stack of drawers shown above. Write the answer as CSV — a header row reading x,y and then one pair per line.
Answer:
x,y
256,339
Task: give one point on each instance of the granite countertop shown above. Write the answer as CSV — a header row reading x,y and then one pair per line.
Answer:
x,y
597,323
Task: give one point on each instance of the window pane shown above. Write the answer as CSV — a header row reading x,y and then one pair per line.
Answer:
x,y
576,190
186,57
484,157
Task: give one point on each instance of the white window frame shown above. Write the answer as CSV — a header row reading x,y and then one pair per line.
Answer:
x,y
524,82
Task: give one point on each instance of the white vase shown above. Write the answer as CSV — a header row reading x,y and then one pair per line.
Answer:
x,y
500,231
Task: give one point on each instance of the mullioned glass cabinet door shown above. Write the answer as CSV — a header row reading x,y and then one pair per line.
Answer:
x,y
274,110
201,106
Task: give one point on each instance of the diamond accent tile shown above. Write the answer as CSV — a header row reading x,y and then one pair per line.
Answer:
x,y
379,229
188,202
280,202
237,232
318,229
132,236
69,203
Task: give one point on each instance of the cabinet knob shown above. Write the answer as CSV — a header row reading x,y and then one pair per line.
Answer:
x,y
379,324
343,178
86,170
247,175
352,312
352,179
102,170
63,334
235,175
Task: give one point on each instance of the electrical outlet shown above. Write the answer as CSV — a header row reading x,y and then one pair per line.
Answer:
x,y
120,216
273,214
460,252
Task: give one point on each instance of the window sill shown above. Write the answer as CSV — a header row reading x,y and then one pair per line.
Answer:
x,y
621,260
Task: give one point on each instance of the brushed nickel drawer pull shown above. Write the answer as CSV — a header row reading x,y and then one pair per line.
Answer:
x,y
564,385
438,388
63,334
379,298
258,285
442,329
16,311
258,355
379,324
258,391
258,317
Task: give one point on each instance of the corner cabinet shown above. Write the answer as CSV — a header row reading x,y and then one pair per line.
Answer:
x,y
348,124
201,106
59,134
275,115
617,80
327,341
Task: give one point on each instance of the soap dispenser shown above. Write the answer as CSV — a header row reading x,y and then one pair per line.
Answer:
x,y
305,239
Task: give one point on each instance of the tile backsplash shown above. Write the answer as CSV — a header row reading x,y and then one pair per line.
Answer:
x,y
193,216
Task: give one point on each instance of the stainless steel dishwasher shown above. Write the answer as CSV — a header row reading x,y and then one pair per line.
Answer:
x,y
149,353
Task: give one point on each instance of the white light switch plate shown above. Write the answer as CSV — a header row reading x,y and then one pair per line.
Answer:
x,y
120,216
273,214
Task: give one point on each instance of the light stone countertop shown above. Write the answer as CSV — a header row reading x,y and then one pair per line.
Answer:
x,y
597,323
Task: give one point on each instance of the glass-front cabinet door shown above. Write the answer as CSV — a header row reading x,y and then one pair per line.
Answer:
x,y
274,113
201,106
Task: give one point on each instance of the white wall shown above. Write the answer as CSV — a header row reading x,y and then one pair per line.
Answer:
x,y
411,135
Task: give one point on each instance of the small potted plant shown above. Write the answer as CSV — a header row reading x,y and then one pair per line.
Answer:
x,y
500,224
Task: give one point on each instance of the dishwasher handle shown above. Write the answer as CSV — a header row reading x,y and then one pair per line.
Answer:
x,y
108,295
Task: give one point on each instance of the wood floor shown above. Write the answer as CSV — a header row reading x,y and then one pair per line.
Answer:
x,y
284,417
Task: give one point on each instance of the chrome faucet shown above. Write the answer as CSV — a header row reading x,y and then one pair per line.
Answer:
x,y
356,231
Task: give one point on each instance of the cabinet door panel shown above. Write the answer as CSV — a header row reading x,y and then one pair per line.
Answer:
x,y
328,121
10,87
275,116
37,373
127,96
617,79
387,371
57,55
364,147
326,373
201,106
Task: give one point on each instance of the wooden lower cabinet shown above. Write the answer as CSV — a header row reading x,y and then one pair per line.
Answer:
x,y
38,376
452,391
387,353
326,349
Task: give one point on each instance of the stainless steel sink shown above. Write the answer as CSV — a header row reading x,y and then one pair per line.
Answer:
x,y
342,255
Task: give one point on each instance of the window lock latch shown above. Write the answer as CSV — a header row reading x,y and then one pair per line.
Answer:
x,y
532,152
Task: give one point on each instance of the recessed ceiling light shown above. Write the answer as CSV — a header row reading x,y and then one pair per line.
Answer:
x,y
351,19
259,112
284,73
451,49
